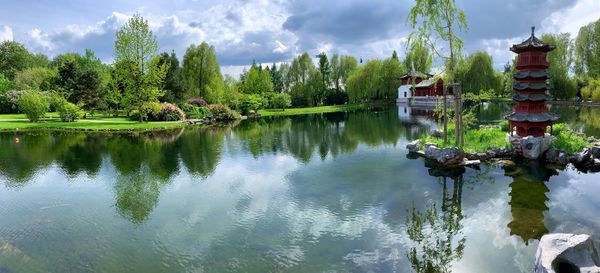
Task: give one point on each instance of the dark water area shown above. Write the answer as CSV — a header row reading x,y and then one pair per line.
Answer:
x,y
317,193
583,119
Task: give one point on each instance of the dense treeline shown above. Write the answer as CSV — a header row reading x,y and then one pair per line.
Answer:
x,y
145,84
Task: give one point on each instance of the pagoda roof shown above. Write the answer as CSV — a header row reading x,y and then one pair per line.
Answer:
x,y
531,97
532,75
531,85
531,43
539,117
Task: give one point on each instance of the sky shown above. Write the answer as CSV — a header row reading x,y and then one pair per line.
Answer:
x,y
278,30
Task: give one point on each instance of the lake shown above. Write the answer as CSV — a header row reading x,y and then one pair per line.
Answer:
x,y
316,193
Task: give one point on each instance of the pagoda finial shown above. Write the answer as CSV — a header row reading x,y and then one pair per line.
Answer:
x,y
533,31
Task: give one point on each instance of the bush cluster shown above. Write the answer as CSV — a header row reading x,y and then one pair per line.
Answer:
x,y
193,111
198,102
33,104
170,112
222,113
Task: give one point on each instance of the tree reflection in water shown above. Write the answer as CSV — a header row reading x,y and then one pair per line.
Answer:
x,y
437,233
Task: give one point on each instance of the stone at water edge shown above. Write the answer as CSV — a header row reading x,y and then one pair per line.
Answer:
x,y
413,146
446,156
583,157
560,250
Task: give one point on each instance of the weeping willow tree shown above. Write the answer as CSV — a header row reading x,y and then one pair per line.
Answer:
x,y
441,20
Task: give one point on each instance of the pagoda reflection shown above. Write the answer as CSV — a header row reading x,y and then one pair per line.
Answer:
x,y
528,199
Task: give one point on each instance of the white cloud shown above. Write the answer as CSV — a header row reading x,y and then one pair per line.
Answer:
x,y
571,19
6,33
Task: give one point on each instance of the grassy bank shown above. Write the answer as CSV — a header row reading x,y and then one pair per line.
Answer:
x,y
14,122
309,110
475,140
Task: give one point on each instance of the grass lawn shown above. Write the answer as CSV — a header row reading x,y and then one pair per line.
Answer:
x,y
12,122
309,110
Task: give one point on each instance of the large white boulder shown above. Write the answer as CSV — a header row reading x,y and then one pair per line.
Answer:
x,y
565,253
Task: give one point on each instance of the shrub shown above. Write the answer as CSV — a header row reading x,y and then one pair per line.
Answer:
x,y
197,101
282,101
336,98
33,104
250,102
503,125
170,112
195,112
148,111
569,142
222,112
69,112
9,102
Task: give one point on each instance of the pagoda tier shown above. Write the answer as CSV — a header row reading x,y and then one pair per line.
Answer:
x,y
530,115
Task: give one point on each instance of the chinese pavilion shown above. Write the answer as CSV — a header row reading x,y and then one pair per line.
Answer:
x,y
530,115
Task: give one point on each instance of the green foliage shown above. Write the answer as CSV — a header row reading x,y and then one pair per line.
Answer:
x,y
324,73
14,57
476,140
170,112
587,51
36,78
391,69
148,111
418,56
223,113
257,81
250,102
439,19
365,83
34,104
591,91
569,141
5,84
195,112
560,59
135,49
69,112
282,101
477,74
503,125
173,84
202,74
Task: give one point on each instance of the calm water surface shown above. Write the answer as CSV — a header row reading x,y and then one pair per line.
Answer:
x,y
322,193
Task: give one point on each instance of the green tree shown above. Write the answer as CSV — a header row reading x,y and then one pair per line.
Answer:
x,y
347,65
173,84
36,78
366,82
136,45
257,81
5,84
391,69
14,57
419,56
276,78
587,51
439,19
202,73
477,74
324,71
282,101
561,60
33,104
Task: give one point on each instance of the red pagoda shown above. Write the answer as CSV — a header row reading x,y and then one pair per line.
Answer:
x,y
530,115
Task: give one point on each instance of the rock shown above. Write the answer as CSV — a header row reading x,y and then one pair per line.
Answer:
x,y
561,252
556,156
583,157
446,156
413,146
595,151
530,147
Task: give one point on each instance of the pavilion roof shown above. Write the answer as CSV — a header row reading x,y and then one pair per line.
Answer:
x,y
532,43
